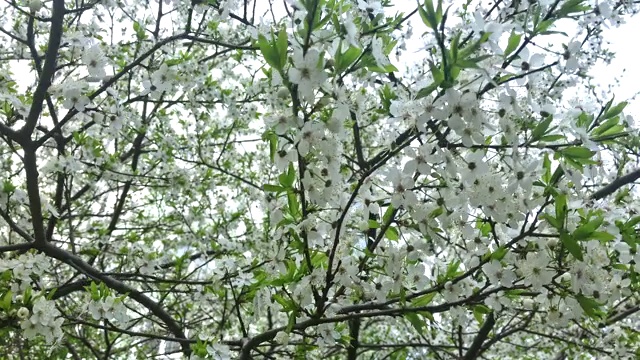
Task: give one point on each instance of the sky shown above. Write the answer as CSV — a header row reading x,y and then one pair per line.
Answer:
x,y
625,65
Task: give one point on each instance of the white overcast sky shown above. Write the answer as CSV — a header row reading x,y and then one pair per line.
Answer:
x,y
626,65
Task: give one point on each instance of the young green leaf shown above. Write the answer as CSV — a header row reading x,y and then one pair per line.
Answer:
x,y
392,234
416,322
344,60
512,43
272,188
561,208
269,52
423,300
584,231
428,15
281,48
605,126
590,306
616,110
577,152
541,129
571,244
5,303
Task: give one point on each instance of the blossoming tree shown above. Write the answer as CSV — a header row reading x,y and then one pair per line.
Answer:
x,y
332,179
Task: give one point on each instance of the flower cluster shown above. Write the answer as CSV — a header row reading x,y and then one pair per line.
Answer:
x,y
257,179
45,320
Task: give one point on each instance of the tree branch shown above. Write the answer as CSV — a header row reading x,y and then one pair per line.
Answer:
x,y
121,288
474,350
616,184
48,69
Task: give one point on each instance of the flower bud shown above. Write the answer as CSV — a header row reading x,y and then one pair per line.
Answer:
x,y
283,93
448,286
22,313
528,303
282,338
35,5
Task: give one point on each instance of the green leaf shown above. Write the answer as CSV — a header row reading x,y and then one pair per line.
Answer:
x,y
552,138
416,322
621,195
557,175
392,233
482,309
273,145
26,297
287,304
571,6
373,224
583,232
427,315
561,208
423,300
512,44
514,293
479,311
484,227
439,12
605,126
293,204
453,50
390,68
281,47
437,73
602,236
471,63
551,220
615,130
7,186
436,212
272,138
272,188
288,178
424,92
387,214
614,111
139,30
590,306
572,245
319,259
383,70
269,52
541,128
632,222
544,26
51,293
452,269
454,71
386,97
428,15
577,152
546,165
467,51
5,303
584,120
93,290
344,60
499,254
